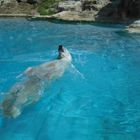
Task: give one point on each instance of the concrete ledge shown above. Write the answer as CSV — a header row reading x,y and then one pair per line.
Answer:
x,y
15,15
69,16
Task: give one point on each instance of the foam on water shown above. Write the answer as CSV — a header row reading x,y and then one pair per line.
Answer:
x,y
76,71
98,96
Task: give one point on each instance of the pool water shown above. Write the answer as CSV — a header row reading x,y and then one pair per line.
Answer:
x,y
98,97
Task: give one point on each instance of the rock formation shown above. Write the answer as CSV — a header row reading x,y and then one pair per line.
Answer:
x,y
70,6
89,10
134,27
129,8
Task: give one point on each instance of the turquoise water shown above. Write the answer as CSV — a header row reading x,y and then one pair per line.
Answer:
x,y
96,99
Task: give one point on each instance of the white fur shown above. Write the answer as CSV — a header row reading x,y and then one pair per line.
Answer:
x,y
27,92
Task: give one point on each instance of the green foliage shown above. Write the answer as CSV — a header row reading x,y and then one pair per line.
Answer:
x,y
48,7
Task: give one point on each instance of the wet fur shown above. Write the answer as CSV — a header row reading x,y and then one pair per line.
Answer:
x,y
28,92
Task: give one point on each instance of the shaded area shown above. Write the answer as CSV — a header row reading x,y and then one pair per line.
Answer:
x,y
120,10
129,8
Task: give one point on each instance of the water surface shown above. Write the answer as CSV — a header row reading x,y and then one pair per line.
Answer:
x,y
96,99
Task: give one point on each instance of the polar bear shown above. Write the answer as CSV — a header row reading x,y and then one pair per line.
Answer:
x,y
29,91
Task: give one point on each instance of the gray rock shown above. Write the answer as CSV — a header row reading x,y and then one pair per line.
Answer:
x,y
134,27
76,16
5,1
103,2
69,6
93,5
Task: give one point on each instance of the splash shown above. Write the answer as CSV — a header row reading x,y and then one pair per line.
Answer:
x,y
77,72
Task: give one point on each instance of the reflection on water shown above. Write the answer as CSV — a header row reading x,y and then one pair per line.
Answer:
x,y
96,99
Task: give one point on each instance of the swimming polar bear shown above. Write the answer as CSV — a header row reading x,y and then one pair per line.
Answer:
x,y
28,92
